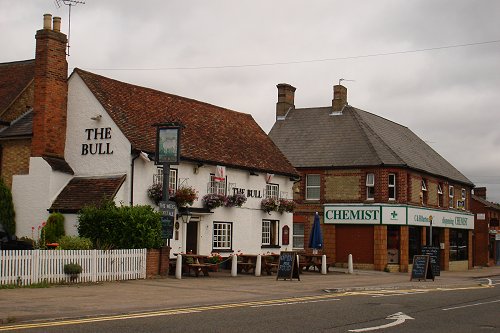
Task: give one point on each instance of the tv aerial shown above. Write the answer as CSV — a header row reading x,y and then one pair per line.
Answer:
x,y
69,3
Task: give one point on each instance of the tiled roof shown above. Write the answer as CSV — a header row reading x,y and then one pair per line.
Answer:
x,y
21,127
84,191
355,138
211,134
14,78
486,202
58,164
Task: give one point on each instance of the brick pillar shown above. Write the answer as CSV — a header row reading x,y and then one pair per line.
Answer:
x,y
152,263
424,235
470,252
404,239
380,247
51,91
164,262
329,241
445,255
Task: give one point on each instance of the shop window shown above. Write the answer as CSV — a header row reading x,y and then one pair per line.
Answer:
x,y
272,191
223,236
424,192
392,186
459,240
440,195
313,187
216,187
451,195
270,229
414,242
393,242
370,186
298,235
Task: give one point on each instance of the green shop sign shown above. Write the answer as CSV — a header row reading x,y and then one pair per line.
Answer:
x,y
352,214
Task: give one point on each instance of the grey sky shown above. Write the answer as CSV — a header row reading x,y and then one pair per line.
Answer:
x,y
449,97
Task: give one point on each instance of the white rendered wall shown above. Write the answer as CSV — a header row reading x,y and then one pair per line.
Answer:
x,y
34,193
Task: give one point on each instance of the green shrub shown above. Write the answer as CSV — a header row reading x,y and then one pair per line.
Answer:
x,y
54,228
121,227
75,243
7,214
72,269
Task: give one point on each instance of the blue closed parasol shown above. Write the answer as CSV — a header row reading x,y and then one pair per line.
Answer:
x,y
316,237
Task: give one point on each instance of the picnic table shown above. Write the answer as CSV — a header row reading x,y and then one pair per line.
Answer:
x,y
308,261
196,263
270,263
247,263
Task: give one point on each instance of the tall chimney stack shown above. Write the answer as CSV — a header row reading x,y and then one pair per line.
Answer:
x,y
286,100
339,98
51,91
480,192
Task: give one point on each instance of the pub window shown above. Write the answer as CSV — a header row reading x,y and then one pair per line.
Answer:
x,y
451,195
392,186
424,192
298,235
313,187
216,187
272,191
223,236
459,240
370,186
172,179
440,195
270,230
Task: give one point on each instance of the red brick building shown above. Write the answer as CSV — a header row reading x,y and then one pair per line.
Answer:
x,y
486,229
377,184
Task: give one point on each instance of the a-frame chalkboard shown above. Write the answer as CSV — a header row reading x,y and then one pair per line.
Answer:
x,y
288,267
422,269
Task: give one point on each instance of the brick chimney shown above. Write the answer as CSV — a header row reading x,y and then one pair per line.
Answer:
x,y
480,192
51,91
339,98
286,100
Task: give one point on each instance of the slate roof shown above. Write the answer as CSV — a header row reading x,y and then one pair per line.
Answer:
x,y
212,134
314,138
486,202
84,191
19,128
14,78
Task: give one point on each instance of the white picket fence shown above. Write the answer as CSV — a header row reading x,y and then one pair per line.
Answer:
x,y
25,267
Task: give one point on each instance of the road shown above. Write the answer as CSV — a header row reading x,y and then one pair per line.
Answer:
x,y
465,309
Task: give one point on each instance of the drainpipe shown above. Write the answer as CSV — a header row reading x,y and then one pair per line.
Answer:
x,y
132,179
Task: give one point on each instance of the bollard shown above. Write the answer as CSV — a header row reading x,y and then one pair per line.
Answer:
x,y
349,264
258,265
323,264
178,267
234,266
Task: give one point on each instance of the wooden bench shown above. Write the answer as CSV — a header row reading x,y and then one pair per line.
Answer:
x,y
197,268
246,267
270,267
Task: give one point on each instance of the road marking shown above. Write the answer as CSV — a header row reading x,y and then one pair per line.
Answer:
x,y
293,303
469,305
399,317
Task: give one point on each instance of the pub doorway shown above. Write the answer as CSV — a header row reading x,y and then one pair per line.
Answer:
x,y
192,235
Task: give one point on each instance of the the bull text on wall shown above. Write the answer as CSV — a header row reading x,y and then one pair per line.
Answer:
x,y
96,146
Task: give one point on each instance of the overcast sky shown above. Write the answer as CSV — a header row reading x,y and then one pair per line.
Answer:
x,y
233,53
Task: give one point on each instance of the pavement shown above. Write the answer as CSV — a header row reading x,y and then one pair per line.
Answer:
x,y
112,298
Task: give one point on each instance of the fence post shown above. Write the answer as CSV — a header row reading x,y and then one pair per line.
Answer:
x,y
35,266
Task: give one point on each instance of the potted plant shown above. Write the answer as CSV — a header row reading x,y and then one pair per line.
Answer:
x,y
215,259
235,200
185,195
286,205
213,200
73,270
269,204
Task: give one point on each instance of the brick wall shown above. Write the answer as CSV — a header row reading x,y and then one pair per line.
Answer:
x,y
22,104
404,256
153,265
14,159
342,187
380,247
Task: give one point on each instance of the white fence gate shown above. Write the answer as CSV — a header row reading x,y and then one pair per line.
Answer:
x,y
24,267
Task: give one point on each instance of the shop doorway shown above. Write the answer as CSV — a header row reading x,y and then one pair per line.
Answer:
x,y
393,244
192,236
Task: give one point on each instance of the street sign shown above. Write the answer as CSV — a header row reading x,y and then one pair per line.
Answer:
x,y
167,210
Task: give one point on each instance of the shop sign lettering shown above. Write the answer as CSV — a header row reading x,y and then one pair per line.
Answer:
x,y
97,148
352,215
248,193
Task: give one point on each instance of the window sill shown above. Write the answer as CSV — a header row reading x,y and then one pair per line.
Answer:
x,y
222,250
270,247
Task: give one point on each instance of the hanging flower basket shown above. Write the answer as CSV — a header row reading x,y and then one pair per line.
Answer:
x,y
286,205
235,200
185,195
269,204
155,192
213,200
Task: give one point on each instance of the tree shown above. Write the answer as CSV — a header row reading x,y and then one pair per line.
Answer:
x,y
7,214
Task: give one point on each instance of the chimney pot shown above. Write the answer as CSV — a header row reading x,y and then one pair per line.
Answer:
x,y
57,23
339,97
47,21
286,100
